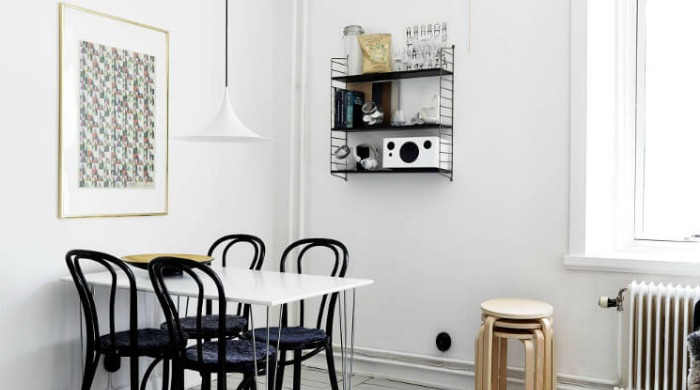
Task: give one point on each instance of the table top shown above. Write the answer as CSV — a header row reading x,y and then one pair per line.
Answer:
x,y
266,288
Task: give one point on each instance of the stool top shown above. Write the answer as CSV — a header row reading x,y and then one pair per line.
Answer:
x,y
516,308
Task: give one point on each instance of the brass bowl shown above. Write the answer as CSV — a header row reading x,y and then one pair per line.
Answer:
x,y
142,260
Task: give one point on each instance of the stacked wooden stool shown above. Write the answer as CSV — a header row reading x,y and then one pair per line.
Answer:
x,y
519,319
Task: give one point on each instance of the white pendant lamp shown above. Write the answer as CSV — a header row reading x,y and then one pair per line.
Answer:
x,y
226,126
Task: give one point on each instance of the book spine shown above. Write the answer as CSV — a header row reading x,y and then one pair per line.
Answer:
x,y
336,114
349,105
334,107
358,101
343,115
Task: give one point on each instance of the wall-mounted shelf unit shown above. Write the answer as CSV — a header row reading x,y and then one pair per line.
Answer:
x,y
350,136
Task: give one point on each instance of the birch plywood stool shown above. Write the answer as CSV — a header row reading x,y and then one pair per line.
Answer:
x,y
519,319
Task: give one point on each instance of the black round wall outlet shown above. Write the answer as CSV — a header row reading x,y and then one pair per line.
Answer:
x,y
443,341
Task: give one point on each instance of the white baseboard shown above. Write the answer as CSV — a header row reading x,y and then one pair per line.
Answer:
x,y
448,374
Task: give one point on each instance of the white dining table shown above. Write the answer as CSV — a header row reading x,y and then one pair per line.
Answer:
x,y
262,288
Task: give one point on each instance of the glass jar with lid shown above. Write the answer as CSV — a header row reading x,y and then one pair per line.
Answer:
x,y
353,51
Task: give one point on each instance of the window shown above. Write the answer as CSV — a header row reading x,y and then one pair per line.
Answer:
x,y
635,138
667,185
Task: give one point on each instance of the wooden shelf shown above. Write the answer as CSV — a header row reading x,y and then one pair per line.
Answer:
x,y
388,76
397,170
394,128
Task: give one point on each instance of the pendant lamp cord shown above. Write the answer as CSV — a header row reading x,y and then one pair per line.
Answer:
x,y
226,48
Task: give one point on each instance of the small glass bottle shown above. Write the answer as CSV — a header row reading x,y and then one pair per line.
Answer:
x,y
353,51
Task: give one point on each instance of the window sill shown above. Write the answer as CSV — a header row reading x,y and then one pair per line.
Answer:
x,y
658,264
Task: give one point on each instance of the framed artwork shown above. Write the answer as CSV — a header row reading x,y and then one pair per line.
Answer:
x,y
113,116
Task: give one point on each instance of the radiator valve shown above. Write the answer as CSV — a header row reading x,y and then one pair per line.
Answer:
x,y
607,302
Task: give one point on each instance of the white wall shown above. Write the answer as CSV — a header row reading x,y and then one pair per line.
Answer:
x,y
214,189
438,249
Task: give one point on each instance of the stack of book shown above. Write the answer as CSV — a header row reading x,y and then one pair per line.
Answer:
x,y
347,108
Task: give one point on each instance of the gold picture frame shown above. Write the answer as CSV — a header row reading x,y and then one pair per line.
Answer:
x,y
113,116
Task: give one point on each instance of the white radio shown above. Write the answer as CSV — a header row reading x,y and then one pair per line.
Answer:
x,y
411,152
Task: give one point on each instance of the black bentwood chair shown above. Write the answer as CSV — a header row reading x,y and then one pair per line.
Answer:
x,y
235,323
298,339
133,342
220,356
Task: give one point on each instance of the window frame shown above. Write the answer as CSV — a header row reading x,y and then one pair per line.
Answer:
x,y
639,14
602,222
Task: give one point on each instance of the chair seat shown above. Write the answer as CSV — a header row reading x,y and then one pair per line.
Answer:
x,y
210,325
293,337
151,342
516,308
239,356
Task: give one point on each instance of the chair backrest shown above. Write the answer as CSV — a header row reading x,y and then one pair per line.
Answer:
x,y
199,274
232,239
75,260
223,245
337,253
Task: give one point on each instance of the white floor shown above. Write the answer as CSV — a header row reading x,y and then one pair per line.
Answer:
x,y
315,379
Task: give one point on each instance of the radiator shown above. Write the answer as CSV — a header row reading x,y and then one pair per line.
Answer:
x,y
658,319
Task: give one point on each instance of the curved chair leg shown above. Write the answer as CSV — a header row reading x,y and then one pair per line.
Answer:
x,y
477,359
248,382
149,370
206,381
530,369
503,365
245,383
282,356
166,373
549,375
297,371
539,364
253,383
134,371
495,361
487,348
331,367
499,367
271,374
91,363
221,381
178,374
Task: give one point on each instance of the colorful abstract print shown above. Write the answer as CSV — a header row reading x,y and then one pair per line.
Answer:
x,y
117,118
